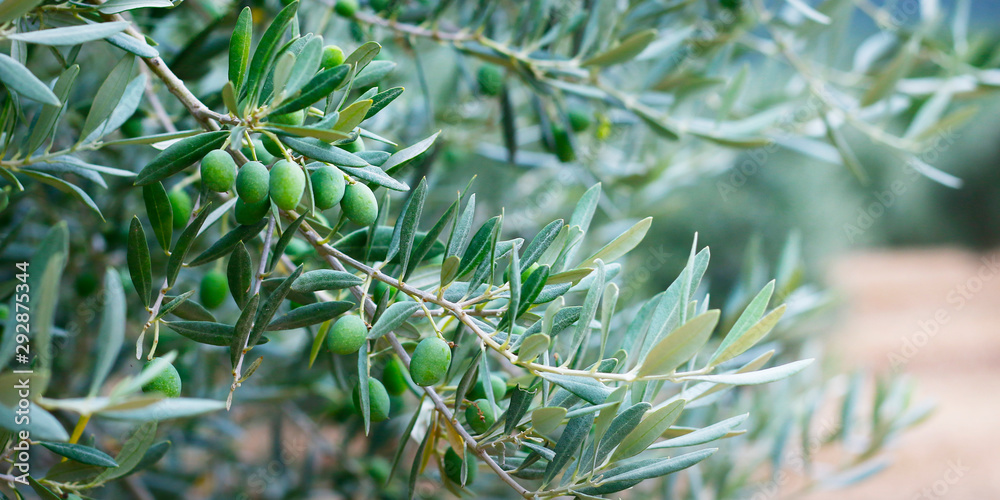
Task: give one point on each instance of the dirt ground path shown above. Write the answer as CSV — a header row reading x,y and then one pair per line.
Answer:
x,y
938,313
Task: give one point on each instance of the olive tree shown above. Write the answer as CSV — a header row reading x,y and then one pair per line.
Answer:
x,y
348,279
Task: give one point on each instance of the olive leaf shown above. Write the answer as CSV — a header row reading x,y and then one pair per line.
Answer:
x,y
139,267
159,212
80,453
239,48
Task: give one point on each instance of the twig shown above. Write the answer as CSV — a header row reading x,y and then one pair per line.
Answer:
x,y
254,290
410,29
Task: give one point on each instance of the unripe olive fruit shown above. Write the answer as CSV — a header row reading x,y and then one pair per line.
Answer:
x,y
480,416
271,147
346,8
218,171
4,311
85,283
430,361
263,155
214,289
295,118
251,213
168,382
298,250
133,127
332,56
359,204
479,390
252,183
453,467
579,120
378,400
328,186
564,148
380,290
287,184
355,146
394,376
181,204
490,78
347,335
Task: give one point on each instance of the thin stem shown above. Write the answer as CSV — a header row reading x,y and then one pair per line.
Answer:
x,y
254,290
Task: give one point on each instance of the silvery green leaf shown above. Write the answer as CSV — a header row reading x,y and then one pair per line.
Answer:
x,y
132,451
588,389
17,78
627,475
679,345
392,318
70,35
117,6
403,156
80,453
109,95
569,442
758,377
111,333
704,435
547,419
325,279
648,430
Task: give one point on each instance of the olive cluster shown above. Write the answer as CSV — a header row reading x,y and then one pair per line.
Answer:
x,y
283,185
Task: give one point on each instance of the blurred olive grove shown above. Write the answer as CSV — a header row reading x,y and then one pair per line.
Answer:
x,y
778,133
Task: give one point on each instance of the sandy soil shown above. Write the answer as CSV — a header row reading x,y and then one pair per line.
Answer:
x,y
935,313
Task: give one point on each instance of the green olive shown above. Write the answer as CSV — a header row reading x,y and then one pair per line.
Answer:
x,y
85,283
218,171
133,127
355,146
4,311
295,118
430,361
579,119
480,416
251,213
479,390
214,289
453,467
252,183
563,145
378,400
347,335
287,184
346,8
298,250
332,56
328,186
271,147
394,376
359,204
181,204
490,78
168,382
263,155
